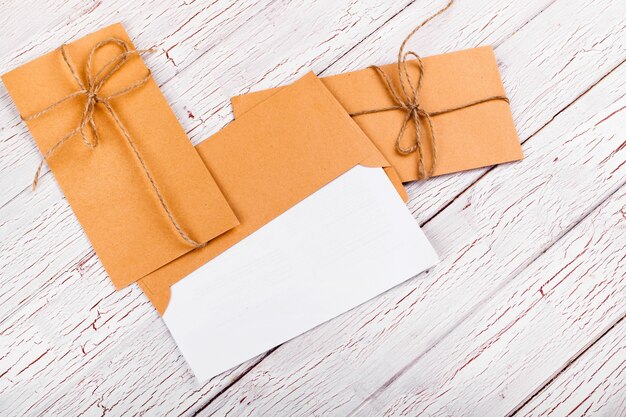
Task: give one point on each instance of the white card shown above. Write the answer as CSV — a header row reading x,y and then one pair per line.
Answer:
x,y
343,245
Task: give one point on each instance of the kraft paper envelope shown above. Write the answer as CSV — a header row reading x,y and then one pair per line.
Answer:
x,y
468,138
322,231
267,161
106,186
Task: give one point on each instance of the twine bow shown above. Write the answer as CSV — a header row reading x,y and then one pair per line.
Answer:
x,y
407,100
93,97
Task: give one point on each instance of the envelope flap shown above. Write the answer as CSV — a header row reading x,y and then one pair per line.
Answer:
x,y
107,187
242,104
301,129
268,160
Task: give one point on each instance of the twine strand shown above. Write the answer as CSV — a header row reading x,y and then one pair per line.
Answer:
x,y
91,91
407,100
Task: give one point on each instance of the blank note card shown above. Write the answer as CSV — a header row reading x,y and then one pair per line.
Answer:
x,y
343,245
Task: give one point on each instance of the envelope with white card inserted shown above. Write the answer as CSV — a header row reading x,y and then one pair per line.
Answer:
x,y
268,160
322,230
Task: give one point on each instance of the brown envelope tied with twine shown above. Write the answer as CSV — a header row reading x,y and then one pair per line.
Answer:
x,y
475,130
132,177
267,161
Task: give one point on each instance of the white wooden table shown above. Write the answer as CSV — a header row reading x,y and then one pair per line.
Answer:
x,y
523,316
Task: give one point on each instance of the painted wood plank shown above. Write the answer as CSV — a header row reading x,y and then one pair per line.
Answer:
x,y
594,384
526,333
485,238
71,359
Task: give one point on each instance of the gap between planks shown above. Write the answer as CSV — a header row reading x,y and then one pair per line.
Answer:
x,y
496,290
478,306
602,335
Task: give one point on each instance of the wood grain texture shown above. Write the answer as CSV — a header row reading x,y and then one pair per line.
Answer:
x,y
551,311
592,385
71,345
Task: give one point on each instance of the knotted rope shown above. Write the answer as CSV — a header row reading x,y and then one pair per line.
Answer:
x,y
407,100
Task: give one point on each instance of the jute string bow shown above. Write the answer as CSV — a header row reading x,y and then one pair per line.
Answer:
x,y
407,100
92,93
